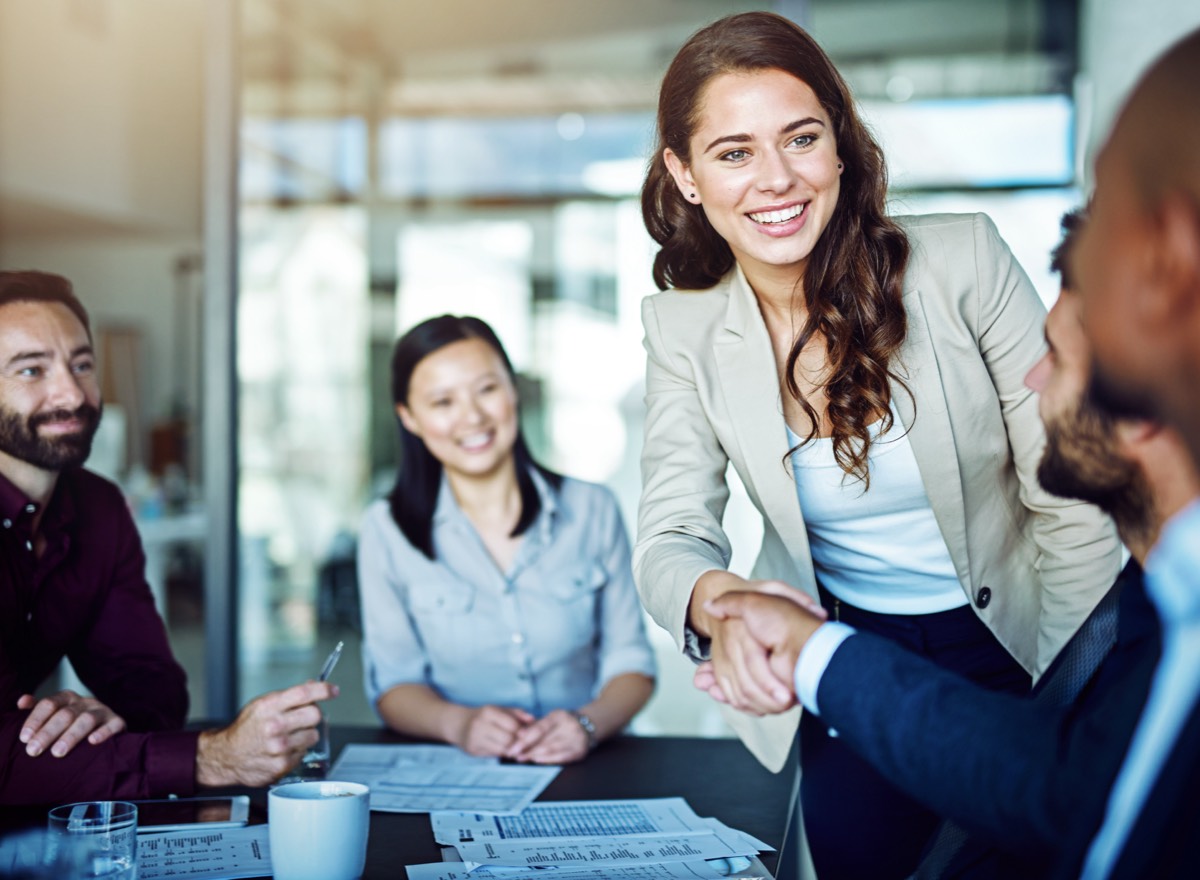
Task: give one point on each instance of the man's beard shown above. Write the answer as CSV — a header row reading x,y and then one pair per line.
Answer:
x,y
19,437
1116,398
1081,462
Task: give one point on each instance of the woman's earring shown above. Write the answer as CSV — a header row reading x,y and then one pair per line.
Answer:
x,y
692,196
839,166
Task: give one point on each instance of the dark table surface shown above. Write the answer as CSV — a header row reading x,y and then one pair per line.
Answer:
x,y
717,777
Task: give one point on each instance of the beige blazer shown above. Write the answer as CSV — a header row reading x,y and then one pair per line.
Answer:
x,y
974,330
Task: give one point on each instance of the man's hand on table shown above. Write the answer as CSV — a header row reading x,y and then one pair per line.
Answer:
x,y
61,721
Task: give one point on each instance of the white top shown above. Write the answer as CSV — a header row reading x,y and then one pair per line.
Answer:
x,y
880,549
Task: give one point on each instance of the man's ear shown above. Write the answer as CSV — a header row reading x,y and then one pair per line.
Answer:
x,y
407,420
1132,434
1177,258
682,175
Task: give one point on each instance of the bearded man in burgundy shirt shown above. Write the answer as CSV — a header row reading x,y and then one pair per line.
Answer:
x,y
72,585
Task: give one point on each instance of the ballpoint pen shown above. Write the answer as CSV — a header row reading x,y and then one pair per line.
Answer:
x,y
330,662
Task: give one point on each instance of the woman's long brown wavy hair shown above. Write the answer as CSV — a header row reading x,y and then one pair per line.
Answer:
x,y
852,285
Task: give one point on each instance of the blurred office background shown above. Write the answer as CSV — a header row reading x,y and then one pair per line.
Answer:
x,y
254,198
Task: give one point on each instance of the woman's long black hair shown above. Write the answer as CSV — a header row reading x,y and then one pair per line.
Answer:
x,y
413,499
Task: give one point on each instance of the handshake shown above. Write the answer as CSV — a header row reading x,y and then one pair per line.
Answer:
x,y
757,635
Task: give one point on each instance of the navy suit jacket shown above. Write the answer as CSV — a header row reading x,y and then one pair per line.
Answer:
x,y
1028,781
1164,842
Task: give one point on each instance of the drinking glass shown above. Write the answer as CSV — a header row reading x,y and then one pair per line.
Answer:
x,y
314,766
95,839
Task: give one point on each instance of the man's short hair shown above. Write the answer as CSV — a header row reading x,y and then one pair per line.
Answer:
x,y
33,286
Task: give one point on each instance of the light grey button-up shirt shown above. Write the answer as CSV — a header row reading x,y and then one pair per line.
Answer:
x,y
547,634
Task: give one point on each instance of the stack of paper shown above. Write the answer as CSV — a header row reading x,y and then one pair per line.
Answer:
x,y
587,840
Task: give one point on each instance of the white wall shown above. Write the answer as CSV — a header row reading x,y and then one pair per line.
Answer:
x,y
100,108
1119,40
100,158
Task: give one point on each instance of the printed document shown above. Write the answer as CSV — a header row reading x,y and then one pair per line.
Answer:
x,y
609,851
425,779
551,820
204,855
693,870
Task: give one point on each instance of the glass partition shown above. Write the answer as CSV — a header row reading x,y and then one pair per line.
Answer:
x,y
450,170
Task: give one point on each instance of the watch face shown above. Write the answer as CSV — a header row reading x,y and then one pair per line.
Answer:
x,y
588,727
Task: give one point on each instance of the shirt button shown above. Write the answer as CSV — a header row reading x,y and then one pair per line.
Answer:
x,y
7,523
29,545
28,616
983,598
31,508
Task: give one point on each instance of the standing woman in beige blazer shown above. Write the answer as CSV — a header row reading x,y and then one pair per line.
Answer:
x,y
864,377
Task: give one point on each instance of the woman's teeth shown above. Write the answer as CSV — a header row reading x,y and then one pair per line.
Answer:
x,y
778,216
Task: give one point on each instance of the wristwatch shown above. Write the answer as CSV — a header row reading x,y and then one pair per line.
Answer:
x,y
588,727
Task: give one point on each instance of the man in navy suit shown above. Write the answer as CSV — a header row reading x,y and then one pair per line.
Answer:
x,y
1138,268
1026,778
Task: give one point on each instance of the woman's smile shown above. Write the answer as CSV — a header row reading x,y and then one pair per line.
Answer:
x,y
764,168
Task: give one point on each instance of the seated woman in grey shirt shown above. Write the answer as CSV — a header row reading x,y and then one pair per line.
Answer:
x,y
499,611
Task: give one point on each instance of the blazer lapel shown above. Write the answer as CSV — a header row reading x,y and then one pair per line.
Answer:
x,y
930,432
750,384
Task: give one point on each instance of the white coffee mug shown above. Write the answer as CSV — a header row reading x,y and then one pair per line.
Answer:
x,y
318,830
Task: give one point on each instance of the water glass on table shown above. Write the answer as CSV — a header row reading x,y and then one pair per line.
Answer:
x,y
318,830
314,766
93,839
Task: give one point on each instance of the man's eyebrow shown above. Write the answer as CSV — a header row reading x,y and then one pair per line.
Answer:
x,y
745,138
24,356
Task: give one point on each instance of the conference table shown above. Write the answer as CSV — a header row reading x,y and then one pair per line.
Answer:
x,y
717,777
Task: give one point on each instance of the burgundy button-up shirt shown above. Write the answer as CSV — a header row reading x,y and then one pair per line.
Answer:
x,y
86,598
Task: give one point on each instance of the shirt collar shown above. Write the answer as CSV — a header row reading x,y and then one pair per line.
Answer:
x,y
13,502
1172,579
447,509
60,510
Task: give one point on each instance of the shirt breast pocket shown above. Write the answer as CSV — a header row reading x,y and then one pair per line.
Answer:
x,y
577,583
570,597
441,596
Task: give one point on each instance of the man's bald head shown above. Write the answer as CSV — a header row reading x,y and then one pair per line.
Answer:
x,y
1137,263
1159,128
